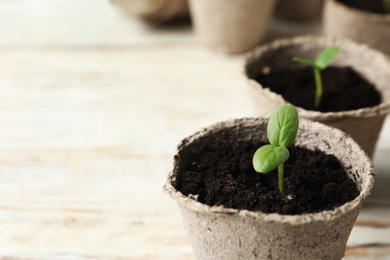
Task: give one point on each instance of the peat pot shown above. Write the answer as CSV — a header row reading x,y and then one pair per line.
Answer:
x,y
217,232
231,26
363,124
341,20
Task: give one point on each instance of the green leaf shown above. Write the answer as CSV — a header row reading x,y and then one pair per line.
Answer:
x,y
326,57
282,126
303,61
269,157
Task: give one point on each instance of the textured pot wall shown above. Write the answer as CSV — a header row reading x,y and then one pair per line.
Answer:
x,y
221,237
223,233
299,10
363,125
231,26
364,27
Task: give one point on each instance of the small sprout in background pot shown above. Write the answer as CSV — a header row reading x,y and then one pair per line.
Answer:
x,y
321,62
282,130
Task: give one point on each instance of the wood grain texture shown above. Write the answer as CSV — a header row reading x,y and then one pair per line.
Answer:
x,y
92,107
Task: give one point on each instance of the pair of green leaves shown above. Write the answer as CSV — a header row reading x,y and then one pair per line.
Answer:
x,y
281,132
323,59
321,62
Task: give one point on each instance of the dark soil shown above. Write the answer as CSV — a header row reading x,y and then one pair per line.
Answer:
x,y
343,88
372,6
222,174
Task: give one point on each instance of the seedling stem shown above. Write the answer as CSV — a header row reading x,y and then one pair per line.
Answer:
x,y
321,62
281,176
317,76
282,130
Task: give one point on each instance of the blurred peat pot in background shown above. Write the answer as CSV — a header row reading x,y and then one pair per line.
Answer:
x,y
363,124
231,26
365,22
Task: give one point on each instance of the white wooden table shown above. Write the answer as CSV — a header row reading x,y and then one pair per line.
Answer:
x,y
92,106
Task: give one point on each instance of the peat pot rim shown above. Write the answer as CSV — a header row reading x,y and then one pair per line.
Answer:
x,y
381,109
305,125
365,15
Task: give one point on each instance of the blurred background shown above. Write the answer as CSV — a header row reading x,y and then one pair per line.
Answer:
x,y
94,99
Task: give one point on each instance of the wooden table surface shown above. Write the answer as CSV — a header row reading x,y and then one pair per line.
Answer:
x,y
92,106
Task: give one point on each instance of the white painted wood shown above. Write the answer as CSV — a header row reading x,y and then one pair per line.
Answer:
x,y
91,108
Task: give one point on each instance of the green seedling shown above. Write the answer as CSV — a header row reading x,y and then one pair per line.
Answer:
x,y
386,6
282,130
321,62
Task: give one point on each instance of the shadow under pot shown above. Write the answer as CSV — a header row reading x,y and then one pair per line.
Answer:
x,y
232,212
356,90
154,11
366,22
299,10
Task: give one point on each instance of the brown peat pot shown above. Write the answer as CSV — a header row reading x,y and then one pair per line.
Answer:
x,y
363,124
341,20
231,26
218,232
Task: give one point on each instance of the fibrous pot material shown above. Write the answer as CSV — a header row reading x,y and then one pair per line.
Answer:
x,y
217,232
231,26
372,29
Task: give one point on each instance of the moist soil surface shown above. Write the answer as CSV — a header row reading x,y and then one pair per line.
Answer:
x,y
222,174
372,6
343,88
